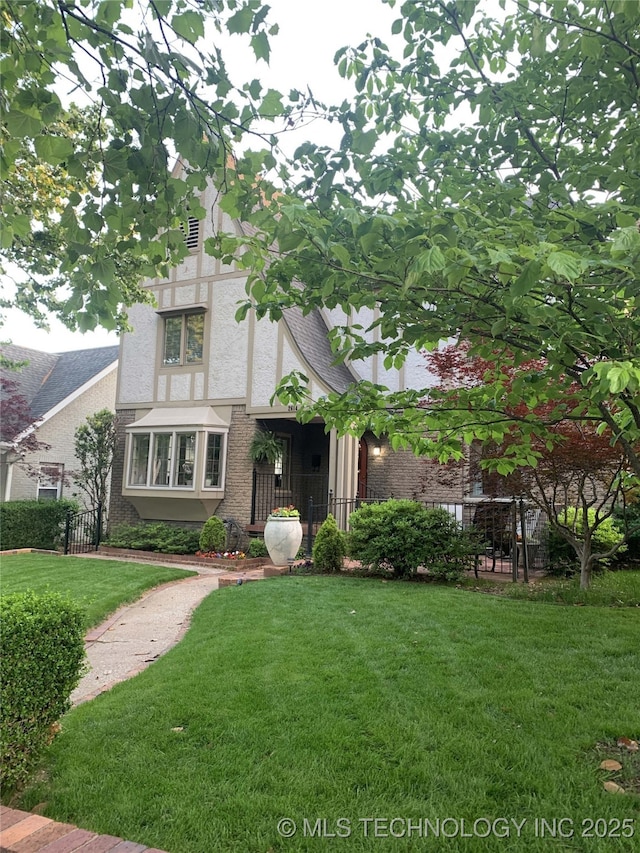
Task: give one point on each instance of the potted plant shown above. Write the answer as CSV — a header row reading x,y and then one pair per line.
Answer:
x,y
265,447
283,535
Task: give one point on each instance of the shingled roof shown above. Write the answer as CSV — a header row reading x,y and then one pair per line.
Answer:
x,y
49,378
310,333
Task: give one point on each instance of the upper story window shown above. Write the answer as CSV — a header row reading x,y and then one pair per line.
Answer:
x,y
183,339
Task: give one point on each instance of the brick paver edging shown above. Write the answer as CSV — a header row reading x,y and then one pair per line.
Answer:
x,y
21,832
186,559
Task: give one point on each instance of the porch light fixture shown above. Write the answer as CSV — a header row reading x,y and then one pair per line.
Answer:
x,y
377,450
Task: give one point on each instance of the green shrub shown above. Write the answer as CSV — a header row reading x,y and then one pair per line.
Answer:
x,y
401,535
257,548
34,524
449,550
214,535
329,547
156,536
563,560
629,518
41,656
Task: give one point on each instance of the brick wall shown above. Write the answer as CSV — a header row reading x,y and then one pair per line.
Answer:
x,y
239,476
402,475
121,511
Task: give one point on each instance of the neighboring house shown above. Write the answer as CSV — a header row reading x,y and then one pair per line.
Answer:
x,y
194,385
62,390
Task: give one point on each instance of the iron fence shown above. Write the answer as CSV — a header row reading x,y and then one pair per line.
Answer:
x,y
83,531
269,491
510,534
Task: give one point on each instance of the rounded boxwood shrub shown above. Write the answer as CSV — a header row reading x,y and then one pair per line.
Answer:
x,y
41,659
402,535
214,535
388,536
329,547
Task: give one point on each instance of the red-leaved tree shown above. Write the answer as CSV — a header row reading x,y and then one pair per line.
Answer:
x,y
18,434
576,474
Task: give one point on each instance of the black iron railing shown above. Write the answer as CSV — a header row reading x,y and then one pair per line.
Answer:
x,y
83,531
270,491
510,535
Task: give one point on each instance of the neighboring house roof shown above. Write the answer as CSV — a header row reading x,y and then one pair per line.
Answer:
x,y
51,378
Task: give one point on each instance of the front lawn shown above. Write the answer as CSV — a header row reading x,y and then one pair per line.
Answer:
x,y
98,586
332,702
608,589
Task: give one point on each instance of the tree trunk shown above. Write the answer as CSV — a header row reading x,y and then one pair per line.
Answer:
x,y
585,568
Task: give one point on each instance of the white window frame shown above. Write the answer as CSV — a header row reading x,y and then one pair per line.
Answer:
x,y
171,460
223,460
46,483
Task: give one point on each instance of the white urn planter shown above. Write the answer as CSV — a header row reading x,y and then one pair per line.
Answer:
x,y
282,536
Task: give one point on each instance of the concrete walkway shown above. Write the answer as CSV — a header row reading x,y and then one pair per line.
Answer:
x,y
125,644
139,633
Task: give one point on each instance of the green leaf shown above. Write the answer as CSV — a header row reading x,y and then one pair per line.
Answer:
x,y
271,104
341,253
260,46
241,21
23,124
53,149
566,265
364,142
528,278
189,25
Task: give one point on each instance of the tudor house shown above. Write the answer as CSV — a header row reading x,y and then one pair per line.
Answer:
x,y
195,386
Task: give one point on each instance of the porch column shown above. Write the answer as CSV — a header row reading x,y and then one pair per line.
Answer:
x,y
343,466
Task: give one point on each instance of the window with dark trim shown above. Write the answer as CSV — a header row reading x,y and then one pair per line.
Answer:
x,y
282,467
183,341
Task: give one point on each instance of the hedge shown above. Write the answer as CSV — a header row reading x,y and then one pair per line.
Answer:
x,y
41,661
33,524
155,536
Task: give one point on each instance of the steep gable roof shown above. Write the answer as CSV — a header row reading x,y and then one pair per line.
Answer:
x,y
310,332
49,378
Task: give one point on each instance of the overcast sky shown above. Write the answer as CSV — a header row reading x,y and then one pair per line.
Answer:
x,y
302,53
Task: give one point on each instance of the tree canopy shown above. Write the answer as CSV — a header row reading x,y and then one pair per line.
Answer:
x,y
88,194
487,189
580,476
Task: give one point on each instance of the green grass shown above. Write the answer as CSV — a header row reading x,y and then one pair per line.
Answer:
x,y
341,698
609,589
98,586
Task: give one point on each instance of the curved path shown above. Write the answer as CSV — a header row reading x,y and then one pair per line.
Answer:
x,y
138,633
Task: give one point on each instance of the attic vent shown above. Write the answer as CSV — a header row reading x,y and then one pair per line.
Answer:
x,y
192,232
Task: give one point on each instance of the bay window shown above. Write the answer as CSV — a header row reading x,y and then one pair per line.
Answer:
x,y
213,462
172,456
168,459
